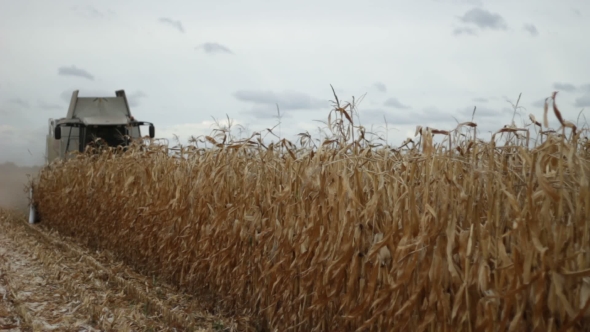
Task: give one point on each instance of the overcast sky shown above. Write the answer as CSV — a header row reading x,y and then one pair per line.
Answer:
x,y
183,62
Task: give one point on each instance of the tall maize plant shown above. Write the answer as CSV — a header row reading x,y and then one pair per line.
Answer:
x,y
464,235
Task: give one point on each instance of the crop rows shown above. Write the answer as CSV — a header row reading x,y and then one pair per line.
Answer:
x,y
461,235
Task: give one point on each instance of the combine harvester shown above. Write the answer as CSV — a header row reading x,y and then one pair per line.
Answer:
x,y
89,118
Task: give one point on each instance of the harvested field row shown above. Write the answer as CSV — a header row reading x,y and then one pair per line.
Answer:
x,y
10,320
53,284
459,236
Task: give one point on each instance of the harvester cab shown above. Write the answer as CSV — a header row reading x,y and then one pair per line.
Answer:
x,y
89,118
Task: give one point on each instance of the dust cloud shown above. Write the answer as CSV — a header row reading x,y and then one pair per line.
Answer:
x,y
13,181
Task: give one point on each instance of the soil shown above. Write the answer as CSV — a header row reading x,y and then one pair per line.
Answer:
x,y
48,283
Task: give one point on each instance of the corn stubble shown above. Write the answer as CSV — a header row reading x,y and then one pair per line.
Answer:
x,y
465,235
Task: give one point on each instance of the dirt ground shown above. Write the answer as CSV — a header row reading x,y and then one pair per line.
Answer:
x,y
48,283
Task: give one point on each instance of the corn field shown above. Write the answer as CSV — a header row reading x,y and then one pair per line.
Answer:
x,y
462,235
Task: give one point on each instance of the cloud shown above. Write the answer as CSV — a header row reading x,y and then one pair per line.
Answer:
x,y
484,19
46,106
583,101
380,87
464,31
577,12
175,24
462,2
532,29
564,87
480,100
287,100
20,102
393,102
74,71
538,103
134,98
92,12
265,112
213,48
66,95
427,116
186,130
375,116
6,132
489,119
485,112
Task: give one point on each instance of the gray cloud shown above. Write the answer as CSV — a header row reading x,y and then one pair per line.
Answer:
x,y
213,48
577,12
462,2
484,112
484,19
377,116
583,101
92,12
584,87
175,24
6,132
134,98
426,117
480,100
464,31
380,87
395,103
532,29
538,103
66,96
564,87
287,100
74,71
488,119
265,112
20,102
47,106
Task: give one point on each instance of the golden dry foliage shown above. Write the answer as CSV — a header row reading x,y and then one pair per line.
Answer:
x,y
460,236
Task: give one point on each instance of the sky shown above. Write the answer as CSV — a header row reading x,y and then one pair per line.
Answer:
x,y
185,64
